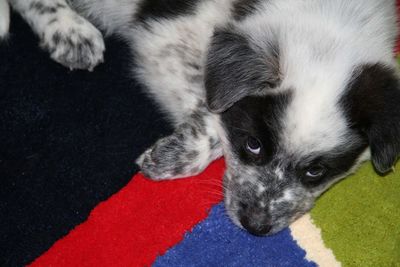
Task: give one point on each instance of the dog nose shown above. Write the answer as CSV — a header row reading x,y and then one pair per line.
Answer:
x,y
254,228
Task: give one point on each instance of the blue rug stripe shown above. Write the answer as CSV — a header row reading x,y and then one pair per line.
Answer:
x,y
217,242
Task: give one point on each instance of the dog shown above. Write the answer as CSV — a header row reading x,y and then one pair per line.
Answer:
x,y
294,94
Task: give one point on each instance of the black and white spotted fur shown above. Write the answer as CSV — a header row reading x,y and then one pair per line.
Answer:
x,y
295,94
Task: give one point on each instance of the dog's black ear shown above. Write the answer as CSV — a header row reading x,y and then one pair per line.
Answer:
x,y
236,69
373,102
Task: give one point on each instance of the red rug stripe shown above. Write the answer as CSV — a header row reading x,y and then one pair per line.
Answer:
x,y
138,223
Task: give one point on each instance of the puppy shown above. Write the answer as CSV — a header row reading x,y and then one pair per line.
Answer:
x,y
295,94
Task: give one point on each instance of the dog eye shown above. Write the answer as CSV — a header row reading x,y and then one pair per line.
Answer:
x,y
253,145
315,172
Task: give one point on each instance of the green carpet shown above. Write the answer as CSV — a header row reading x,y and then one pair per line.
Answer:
x,y
360,218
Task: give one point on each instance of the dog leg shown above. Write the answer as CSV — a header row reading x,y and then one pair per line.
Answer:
x,y
186,152
70,39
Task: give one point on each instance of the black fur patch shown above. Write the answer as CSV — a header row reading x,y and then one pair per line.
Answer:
x,y
372,105
235,69
244,8
336,162
154,9
257,117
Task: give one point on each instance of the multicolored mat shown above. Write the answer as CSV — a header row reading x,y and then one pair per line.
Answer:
x,y
67,196
183,223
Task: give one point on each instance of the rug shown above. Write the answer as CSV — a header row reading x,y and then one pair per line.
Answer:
x,y
71,195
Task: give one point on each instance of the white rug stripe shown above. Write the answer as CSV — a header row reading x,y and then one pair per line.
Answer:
x,y
308,237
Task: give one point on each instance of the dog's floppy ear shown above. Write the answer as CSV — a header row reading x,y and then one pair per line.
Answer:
x,y
373,100
236,69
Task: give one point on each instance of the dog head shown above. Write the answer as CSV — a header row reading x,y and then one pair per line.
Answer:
x,y
295,120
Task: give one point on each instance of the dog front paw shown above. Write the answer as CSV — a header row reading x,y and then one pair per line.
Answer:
x,y
74,42
169,158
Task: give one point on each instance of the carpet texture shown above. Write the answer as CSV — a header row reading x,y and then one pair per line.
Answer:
x,y
138,223
360,219
68,141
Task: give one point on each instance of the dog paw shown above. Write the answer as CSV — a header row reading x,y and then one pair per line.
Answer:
x,y
170,158
74,42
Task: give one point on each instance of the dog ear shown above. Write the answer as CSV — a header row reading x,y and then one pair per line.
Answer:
x,y
373,100
235,70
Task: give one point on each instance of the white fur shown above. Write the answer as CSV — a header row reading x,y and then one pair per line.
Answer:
x,y
162,69
320,44
110,16
4,18
77,36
